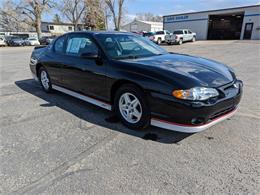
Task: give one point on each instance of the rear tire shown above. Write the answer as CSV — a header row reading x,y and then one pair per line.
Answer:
x,y
45,80
131,107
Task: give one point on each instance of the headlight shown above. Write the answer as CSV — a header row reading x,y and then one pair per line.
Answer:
x,y
196,93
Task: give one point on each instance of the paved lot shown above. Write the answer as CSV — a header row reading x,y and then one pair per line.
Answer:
x,y
55,144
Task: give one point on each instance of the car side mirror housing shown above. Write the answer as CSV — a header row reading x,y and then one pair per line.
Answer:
x,y
89,55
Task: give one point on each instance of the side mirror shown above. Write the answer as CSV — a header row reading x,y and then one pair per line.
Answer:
x,y
89,55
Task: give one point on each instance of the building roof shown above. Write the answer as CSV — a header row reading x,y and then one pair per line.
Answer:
x,y
150,22
231,8
146,22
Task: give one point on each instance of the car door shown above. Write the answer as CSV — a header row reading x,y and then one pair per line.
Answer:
x,y
190,35
87,76
185,35
53,60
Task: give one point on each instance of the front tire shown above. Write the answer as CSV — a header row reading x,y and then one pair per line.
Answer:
x,y
45,80
180,42
193,39
131,107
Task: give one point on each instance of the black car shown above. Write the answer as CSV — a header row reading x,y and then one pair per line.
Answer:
x,y
46,40
9,39
141,82
17,42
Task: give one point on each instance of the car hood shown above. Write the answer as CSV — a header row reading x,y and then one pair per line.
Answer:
x,y
199,71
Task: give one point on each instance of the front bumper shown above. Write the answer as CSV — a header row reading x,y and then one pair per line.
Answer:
x,y
190,117
189,128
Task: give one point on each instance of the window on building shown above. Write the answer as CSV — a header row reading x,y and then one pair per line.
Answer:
x,y
51,27
70,28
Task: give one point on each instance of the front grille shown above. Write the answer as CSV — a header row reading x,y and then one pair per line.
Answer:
x,y
221,113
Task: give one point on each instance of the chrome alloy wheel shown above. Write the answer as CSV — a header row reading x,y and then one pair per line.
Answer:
x,y
130,108
45,80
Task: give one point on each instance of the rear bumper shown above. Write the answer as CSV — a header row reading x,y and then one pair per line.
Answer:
x,y
172,41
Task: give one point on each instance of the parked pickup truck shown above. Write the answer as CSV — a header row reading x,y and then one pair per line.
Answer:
x,y
180,36
159,36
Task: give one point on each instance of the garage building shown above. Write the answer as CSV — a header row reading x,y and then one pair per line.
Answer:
x,y
139,26
225,24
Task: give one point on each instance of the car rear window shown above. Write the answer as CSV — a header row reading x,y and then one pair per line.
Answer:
x,y
148,34
178,32
59,45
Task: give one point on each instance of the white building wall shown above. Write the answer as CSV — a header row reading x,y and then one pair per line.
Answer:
x,y
58,29
156,27
198,22
252,15
195,22
136,26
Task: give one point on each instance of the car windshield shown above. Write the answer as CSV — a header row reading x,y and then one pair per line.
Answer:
x,y
123,46
177,32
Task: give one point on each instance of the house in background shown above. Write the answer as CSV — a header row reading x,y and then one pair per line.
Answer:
x,y
139,25
60,28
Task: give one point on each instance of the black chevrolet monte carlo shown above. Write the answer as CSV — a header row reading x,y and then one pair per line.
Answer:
x,y
138,80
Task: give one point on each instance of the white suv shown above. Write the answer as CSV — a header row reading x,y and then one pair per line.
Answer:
x,y
159,36
2,42
180,36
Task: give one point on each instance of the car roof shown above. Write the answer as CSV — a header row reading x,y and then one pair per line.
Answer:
x,y
182,29
101,32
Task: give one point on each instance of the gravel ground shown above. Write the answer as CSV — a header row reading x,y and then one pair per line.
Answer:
x,y
55,144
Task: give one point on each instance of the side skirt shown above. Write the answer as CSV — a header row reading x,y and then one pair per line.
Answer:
x,y
83,97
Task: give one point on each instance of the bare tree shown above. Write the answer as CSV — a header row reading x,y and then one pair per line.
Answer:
x,y
10,17
95,15
73,10
57,19
33,10
116,14
149,17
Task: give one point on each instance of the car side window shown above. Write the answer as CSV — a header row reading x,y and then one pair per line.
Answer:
x,y
59,45
185,32
159,32
190,32
78,45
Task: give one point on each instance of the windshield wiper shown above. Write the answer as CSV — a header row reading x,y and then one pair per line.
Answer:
x,y
127,57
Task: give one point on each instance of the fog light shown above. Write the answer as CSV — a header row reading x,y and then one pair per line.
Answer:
x,y
197,121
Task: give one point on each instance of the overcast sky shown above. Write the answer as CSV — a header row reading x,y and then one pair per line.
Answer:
x,y
165,7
